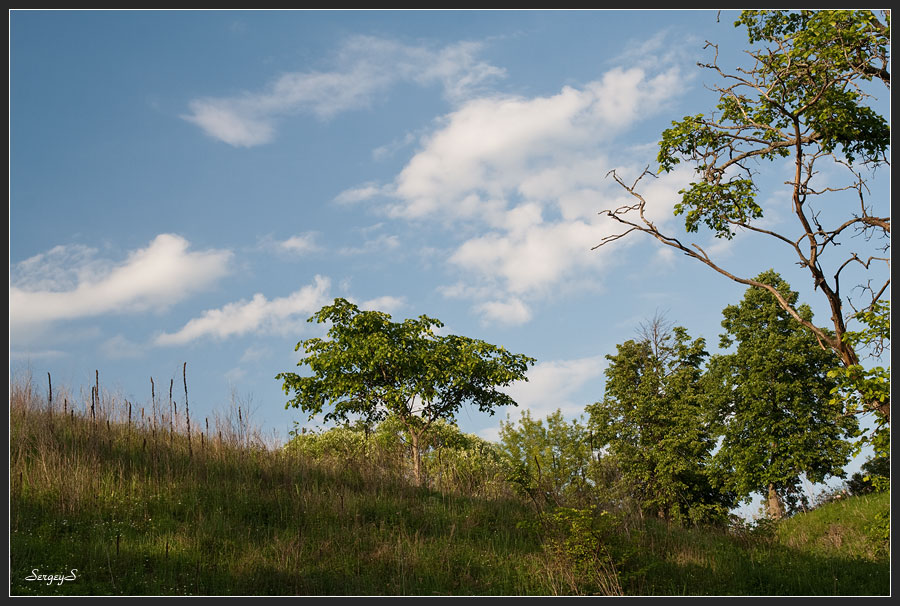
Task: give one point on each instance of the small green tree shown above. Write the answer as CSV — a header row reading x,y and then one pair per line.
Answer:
x,y
551,460
656,421
371,367
779,419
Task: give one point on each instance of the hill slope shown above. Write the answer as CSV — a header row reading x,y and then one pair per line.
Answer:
x,y
125,504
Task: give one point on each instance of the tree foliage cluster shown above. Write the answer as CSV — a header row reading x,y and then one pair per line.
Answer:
x,y
373,368
808,98
685,436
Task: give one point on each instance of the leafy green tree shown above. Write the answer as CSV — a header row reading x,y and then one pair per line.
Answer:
x,y
655,419
373,368
856,385
548,459
874,476
779,419
805,97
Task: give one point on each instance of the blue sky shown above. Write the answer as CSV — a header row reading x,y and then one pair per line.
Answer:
x,y
192,186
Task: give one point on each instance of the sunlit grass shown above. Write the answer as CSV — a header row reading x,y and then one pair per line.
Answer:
x,y
138,510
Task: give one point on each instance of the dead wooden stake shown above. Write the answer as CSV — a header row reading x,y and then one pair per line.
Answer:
x,y
187,412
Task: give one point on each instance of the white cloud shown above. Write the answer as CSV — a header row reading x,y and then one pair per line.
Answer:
x,y
531,260
463,290
491,149
387,304
235,122
364,67
150,279
256,315
511,312
294,246
299,244
527,257
524,180
358,194
521,180
665,257
388,150
60,268
556,385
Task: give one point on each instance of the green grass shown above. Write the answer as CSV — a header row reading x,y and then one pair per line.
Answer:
x,y
798,556
138,513
138,510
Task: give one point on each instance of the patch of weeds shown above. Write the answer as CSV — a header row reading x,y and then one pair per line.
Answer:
x,y
578,558
879,532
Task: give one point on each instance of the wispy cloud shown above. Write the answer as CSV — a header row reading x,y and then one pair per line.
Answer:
x,y
551,386
658,50
511,312
119,347
363,68
387,303
299,244
71,282
381,243
259,314
555,385
358,194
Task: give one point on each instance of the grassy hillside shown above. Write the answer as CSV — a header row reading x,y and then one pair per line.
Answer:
x,y
138,508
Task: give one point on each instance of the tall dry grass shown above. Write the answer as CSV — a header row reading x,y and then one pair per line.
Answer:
x,y
123,496
122,492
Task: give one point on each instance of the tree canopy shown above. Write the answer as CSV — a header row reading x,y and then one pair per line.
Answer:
x,y
655,419
778,417
806,97
372,368
549,458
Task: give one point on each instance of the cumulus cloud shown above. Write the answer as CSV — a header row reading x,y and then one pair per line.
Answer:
x,y
494,148
533,259
363,67
256,315
522,180
70,282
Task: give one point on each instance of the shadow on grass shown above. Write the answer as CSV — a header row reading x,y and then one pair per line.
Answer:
x,y
718,564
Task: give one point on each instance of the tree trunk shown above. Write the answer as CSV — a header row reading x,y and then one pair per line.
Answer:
x,y
774,506
417,457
